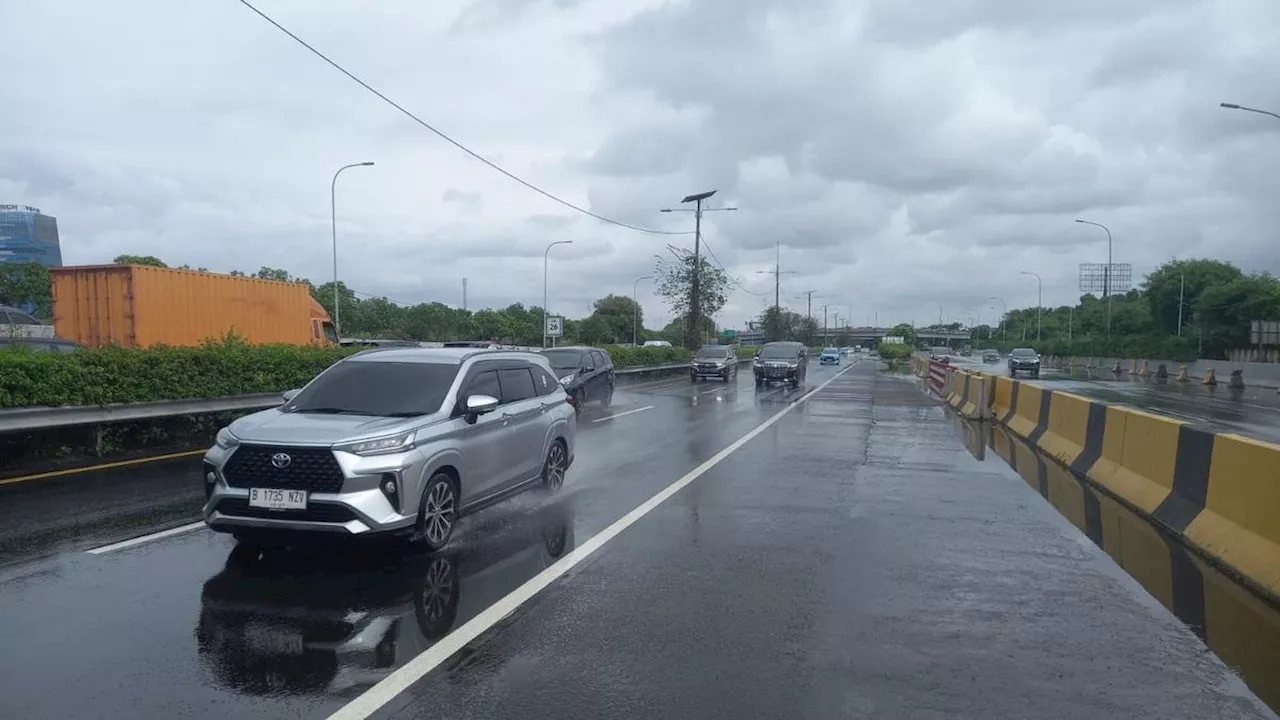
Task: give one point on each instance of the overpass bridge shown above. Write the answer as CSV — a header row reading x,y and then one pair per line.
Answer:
x,y
867,335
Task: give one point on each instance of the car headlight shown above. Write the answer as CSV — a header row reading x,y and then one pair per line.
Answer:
x,y
757,361
379,446
225,439
568,379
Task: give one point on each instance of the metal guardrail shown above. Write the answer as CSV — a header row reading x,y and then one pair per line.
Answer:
x,y
48,418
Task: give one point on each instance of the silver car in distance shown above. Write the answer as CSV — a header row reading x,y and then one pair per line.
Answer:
x,y
393,441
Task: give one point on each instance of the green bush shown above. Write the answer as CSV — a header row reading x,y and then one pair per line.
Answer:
x,y
122,375
626,356
746,352
894,351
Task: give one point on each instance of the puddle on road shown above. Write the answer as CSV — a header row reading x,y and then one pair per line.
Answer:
x,y
1240,627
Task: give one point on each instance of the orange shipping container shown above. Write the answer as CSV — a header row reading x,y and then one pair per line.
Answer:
x,y
141,306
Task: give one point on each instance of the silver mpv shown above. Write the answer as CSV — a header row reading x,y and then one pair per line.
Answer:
x,y
396,440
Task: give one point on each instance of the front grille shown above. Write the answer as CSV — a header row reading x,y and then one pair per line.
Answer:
x,y
315,512
310,469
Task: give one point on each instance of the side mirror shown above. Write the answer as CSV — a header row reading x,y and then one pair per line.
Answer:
x,y
588,368
478,405
290,394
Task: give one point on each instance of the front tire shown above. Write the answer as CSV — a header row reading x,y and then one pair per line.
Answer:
x,y
554,467
437,513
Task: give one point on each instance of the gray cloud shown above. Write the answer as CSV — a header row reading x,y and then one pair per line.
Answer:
x,y
909,156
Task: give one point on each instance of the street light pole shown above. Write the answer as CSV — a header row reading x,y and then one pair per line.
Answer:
x,y
545,253
635,295
1233,106
1106,275
1039,300
695,299
1004,326
333,220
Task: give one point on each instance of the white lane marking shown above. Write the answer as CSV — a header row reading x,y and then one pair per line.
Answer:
x,y
712,390
397,682
146,538
610,417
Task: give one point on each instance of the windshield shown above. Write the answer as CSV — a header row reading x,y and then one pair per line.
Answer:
x,y
383,389
779,352
564,359
1023,352
830,351
711,353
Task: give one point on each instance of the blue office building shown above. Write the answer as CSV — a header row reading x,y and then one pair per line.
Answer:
x,y
27,235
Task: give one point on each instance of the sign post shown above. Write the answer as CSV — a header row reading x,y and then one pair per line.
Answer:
x,y
555,327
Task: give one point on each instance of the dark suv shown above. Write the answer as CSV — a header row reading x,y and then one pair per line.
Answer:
x,y
1024,360
586,374
715,361
782,361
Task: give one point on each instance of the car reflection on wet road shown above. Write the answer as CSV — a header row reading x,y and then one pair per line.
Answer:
x,y
325,621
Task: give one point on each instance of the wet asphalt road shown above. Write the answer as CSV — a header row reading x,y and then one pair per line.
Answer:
x,y
851,560
1252,411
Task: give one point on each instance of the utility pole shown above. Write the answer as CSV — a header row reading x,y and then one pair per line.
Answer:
x,y
809,310
464,293
777,272
1182,288
824,324
695,299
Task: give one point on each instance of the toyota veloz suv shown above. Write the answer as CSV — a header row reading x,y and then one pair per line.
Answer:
x,y
393,441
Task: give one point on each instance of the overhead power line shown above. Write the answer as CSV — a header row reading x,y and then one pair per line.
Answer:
x,y
451,141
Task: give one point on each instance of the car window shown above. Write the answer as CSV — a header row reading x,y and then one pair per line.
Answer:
x,y
485,383
778,352
602,360
517,385
543,381
564,359
1023,352
381,389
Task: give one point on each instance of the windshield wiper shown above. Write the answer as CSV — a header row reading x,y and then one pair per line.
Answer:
x,y
329,411
410,413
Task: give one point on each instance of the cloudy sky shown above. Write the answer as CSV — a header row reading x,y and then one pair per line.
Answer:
x,y
911,157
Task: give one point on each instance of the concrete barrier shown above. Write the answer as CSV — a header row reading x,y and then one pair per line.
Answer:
x,y
1068,429
977,400
1136,462
1219,493
1238,522
1002,397
1030,415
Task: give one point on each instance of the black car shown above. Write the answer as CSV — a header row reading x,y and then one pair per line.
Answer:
x,y
781,361
1024,360
714,361
585,372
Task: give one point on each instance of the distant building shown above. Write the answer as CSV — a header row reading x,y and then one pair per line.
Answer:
x,y
27,235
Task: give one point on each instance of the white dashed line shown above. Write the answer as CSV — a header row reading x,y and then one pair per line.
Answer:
x,y
629,412
123,544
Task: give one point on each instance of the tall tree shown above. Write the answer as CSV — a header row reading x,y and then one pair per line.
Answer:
x,y
151,260
1164,285
29,282
619,312
675,282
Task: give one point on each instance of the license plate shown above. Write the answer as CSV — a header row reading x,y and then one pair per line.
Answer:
x,y
274,641
273,499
